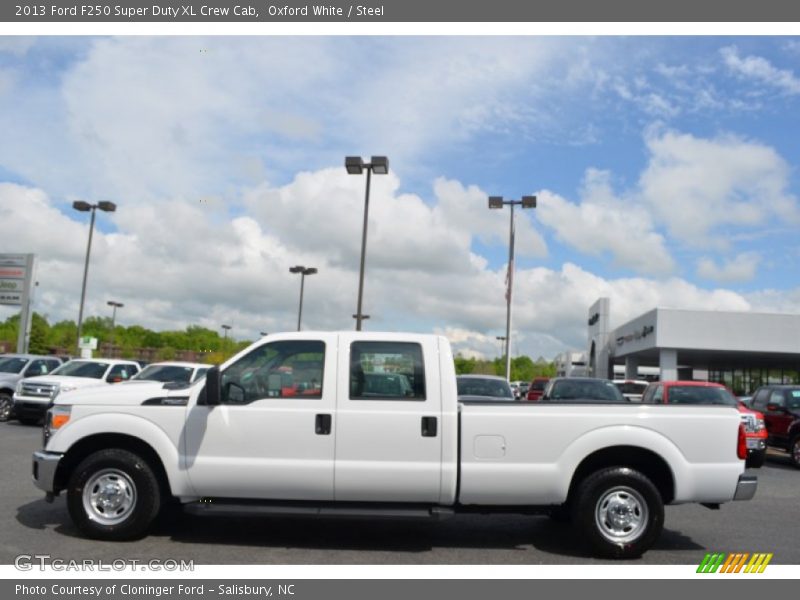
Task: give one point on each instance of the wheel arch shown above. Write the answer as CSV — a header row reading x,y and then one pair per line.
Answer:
x,y
102,441
647,462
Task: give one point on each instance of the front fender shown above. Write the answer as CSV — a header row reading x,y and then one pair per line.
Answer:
x,y
132,426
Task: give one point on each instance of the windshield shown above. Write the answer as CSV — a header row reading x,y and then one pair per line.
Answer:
x,y
538,386
602,391
166,373
476,386
12,365
80,368
694,394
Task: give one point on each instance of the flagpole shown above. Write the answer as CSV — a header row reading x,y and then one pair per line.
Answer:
x,y
509,294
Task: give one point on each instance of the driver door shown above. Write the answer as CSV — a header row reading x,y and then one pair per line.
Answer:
x,y
273,435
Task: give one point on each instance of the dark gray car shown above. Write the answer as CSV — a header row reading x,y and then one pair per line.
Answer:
x,y
483,388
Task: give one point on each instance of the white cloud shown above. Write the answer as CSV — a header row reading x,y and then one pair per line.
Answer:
x,y
740,268
603,223
760,70
697,186
179,262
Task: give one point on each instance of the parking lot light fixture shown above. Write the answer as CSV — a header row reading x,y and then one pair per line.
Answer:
x,y
303,272
494,203
82,206
226,328
355,166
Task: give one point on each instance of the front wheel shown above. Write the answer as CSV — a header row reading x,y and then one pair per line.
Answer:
x,y
620,512
6,406
113,495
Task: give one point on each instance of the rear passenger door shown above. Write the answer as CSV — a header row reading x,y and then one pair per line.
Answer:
x,y
388,421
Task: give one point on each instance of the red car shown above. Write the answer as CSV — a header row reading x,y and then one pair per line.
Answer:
x,y
704,392
536,388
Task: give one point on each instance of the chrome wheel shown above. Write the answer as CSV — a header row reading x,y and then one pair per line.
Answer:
x,y
5,408
109,497
621,514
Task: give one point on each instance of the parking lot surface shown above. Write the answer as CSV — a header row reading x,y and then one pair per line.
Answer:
x,y
28,525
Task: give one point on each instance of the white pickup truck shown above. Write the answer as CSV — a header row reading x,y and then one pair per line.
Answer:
x,y
368,424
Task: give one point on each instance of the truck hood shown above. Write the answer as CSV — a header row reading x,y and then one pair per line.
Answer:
x,y
9,379
78,382
119,395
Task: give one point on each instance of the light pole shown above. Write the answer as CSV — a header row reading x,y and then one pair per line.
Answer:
x,y
355,166
82,206
115,306
502,340
303,272
498,202
226,328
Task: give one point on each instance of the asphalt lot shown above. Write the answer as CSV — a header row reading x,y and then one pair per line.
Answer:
x,y
28,525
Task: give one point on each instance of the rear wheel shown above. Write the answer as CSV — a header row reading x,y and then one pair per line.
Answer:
x,y
620,512
6,405
794,451
113,495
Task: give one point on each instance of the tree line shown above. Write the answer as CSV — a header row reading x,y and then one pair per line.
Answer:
x,y
61,337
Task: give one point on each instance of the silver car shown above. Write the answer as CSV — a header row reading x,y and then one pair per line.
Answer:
x,y
15,367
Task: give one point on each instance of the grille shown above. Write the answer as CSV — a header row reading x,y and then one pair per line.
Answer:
x,y
37,390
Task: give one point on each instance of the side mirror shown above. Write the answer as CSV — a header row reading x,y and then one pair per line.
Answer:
x,y
213,390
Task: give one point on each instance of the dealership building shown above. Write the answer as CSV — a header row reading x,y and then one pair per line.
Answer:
x,y
740,349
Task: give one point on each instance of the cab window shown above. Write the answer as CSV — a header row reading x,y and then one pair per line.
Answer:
x,y
386,371
288,369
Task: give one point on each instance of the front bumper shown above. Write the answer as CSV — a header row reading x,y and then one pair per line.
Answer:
x,y
746,487
44,470
30,409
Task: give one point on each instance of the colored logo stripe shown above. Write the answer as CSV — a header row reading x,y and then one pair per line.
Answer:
x,y
735,562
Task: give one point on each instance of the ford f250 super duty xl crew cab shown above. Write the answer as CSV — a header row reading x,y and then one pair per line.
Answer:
x,y
368,424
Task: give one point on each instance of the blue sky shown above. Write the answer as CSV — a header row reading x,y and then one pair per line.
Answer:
x,y
666,170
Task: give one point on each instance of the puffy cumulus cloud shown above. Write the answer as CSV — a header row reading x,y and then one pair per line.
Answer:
x,y
697,186
601,223
760,71
177,263
322,212
740,268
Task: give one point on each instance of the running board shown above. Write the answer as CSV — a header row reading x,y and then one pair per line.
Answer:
x,y
213,507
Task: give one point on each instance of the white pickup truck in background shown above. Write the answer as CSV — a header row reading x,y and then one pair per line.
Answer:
x,y
368,424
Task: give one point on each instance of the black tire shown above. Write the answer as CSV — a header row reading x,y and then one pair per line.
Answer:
x,y
756,459
609,533
6,407
30,420
794,451
561,514
134,486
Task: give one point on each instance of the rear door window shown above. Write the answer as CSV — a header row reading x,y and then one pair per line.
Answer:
x,y
386,371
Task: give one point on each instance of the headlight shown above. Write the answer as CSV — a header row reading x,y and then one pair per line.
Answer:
x,y
760,426
56,418
59,389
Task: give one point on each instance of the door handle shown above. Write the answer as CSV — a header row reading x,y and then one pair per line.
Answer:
x,y
322,425
429,426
